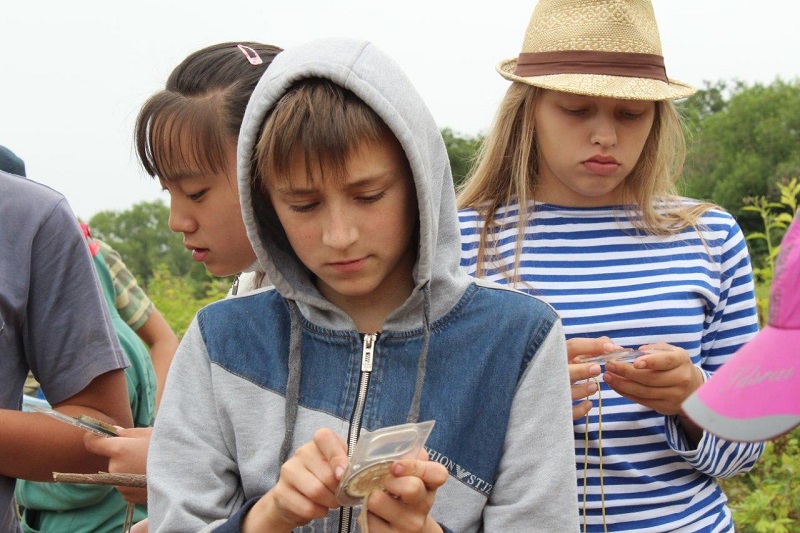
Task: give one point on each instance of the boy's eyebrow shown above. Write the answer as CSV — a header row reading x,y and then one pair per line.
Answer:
x,y
289,190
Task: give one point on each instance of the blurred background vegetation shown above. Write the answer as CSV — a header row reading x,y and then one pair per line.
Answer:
x,y
744,155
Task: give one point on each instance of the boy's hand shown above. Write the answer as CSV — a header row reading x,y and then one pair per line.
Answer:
x,y
579,373
127,454
306,487
410,491
661,380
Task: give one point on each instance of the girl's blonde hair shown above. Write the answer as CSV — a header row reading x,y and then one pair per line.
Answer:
x,y
506,170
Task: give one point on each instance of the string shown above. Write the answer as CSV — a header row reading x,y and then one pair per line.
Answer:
x,y
130,510
363,519
600,457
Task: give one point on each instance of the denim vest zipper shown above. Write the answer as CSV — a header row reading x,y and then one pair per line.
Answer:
x,y
367,355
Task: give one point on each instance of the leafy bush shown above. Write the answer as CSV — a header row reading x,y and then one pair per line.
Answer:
x,y
767,499
775,217
743,138
179,298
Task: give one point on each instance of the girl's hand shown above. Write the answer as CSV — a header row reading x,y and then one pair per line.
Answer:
x,y
405,504
306,487
661,380
127,454
580,373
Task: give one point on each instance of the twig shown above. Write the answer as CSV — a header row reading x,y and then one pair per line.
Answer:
x,y
102,478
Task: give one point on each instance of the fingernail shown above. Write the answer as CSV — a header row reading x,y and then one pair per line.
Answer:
x,y
398,469
640,364
607,378
591,386
595,370
339,472
610,367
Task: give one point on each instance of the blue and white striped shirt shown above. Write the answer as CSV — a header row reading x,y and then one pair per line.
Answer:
x,y
605,277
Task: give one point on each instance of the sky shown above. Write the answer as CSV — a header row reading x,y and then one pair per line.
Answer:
x,y
73,75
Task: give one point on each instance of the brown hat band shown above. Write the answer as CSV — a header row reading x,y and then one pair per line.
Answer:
x,y
592,62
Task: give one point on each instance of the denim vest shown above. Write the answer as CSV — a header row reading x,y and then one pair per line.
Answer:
x,y
476,359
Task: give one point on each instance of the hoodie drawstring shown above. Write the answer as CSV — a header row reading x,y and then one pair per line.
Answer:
x,y
413,412
292,382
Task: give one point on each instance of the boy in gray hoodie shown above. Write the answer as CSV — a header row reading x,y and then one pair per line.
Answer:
x,y
348,200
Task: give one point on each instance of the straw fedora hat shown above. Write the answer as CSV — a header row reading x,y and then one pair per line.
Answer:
x,y
607,48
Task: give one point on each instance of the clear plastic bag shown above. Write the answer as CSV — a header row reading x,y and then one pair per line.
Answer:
x,y
373,456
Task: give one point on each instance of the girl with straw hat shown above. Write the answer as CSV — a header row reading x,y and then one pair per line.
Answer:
x,y
572,198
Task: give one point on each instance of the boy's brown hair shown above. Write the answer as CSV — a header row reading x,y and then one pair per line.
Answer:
x,y
320,122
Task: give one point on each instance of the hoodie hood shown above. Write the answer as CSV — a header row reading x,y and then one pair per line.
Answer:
x,y
378,81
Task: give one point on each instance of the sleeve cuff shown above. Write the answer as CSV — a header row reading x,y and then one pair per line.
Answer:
x,y
234,523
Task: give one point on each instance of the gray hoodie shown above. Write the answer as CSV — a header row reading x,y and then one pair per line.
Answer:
x,y
256,375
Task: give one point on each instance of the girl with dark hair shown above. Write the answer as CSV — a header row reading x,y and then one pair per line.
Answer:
x,y
186,138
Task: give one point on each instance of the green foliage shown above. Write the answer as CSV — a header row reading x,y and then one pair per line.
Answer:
x,y
461,151
175,297
775,218
742,139
767,499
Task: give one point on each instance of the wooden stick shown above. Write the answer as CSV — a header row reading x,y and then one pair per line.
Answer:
x,y
102,478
